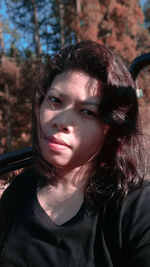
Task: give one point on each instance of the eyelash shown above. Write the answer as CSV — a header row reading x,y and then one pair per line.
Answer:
x,y
56,101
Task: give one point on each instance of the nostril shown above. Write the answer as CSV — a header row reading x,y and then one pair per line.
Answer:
x,y
66,130
61,127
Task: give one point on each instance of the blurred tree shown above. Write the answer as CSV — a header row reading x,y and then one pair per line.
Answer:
x,y
16,90
8,84
1,38
49,25
5,92
36,27
116,23
24,14
61,34
146,10
11,90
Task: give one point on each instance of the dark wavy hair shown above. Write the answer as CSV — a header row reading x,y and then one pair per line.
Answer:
x,y
118,168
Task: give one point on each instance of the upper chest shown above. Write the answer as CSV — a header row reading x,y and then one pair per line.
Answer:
x,y
39,239
60,205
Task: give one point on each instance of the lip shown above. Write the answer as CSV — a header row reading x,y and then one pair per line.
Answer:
x,y
56,141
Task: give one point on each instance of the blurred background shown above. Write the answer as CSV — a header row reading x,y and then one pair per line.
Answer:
x,y
30,30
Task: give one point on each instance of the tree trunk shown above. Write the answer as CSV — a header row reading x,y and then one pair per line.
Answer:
x,y
62,27
78,6
8,111
1,41
78,10
36,23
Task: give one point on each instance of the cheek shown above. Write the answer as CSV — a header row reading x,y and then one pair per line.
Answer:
x,y
45,118
90,144
43,115
92,137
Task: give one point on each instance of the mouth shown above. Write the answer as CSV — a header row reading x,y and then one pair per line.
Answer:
x,y
56,143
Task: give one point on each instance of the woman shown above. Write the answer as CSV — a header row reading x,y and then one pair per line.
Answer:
x,y
86,202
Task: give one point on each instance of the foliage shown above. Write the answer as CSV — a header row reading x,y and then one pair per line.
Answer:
x,y
146,10
24,15
46,27
117,24
15,119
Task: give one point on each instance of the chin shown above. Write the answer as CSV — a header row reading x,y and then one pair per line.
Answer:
x,y
57,163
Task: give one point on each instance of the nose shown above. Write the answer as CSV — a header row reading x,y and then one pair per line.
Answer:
x,y
61,128
63,122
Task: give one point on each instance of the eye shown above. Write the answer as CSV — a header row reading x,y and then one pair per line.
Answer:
x,y
88,113
54,100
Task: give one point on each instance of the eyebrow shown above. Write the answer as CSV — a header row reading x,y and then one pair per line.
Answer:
x,y
56,90
89,103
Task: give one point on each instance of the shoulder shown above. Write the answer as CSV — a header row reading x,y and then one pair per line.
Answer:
x,y
137,201
15,196
135,211
13,199
127,228
135,226
140,191
19,184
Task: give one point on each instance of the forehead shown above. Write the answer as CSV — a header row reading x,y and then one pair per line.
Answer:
x,y
76,82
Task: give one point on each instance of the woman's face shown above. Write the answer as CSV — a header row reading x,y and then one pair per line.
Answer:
x,y
72,132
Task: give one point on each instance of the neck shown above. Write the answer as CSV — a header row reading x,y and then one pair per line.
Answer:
x,y
74,178
70,187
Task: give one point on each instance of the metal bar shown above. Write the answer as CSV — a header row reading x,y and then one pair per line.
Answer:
x,y
16,166
16,160
138,64
18,155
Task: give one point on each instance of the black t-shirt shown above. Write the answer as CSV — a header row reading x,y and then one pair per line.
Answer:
x,y
36,241
114,237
